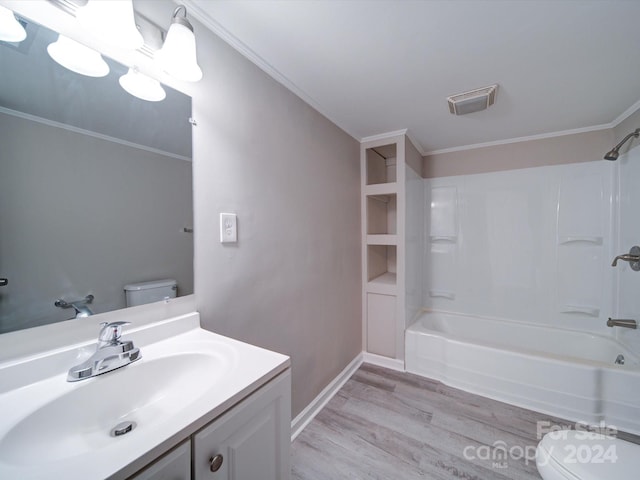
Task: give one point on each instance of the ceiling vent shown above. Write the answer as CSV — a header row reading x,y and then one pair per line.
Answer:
x,y
473,101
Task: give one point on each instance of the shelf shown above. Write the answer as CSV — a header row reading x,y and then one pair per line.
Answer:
x,y
381,214
442,294
384,284
381,264
382,239
443,238
381,164
591,239
588,310
381,189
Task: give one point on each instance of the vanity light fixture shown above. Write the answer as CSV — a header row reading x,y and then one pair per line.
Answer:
x,y
142,86
10,28
177,57
111,21
77,57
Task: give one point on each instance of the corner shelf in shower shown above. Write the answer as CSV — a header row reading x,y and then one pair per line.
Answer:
x,y
589,239
588,310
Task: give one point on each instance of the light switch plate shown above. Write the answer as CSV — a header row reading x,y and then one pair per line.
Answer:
x,y
228,228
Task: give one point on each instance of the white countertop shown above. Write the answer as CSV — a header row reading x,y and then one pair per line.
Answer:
x,y
186,377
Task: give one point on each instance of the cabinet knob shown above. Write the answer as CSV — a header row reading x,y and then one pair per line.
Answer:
x,y
215,462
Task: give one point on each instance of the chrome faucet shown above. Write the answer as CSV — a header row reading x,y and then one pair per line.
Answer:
x,y
80,306
621,322
82,311
111,353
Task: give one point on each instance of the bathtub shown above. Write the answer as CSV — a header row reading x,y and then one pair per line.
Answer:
x,y
566,373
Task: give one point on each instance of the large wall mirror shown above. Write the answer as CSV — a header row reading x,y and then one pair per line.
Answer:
x,y
95,187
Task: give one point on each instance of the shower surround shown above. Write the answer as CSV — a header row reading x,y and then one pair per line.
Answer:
x,y
531,245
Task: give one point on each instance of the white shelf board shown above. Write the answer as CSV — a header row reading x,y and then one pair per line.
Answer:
x,y
382,239
384,284
381,188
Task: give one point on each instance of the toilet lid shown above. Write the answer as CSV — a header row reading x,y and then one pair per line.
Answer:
x,y
579,455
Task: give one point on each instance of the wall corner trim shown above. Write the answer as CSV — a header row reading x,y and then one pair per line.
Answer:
x,y
305,416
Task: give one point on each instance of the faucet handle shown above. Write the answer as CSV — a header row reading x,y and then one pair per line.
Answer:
x,y
111,332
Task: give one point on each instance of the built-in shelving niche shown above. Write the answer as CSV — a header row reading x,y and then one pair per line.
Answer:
x,y
381,268
381,164
382,214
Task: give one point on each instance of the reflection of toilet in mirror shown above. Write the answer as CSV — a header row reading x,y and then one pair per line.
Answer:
x,y
580,455
149,292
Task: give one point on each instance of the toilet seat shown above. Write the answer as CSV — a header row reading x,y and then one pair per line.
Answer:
x,y
579,455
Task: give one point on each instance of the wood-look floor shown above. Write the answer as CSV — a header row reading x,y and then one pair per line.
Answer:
x,y
389,425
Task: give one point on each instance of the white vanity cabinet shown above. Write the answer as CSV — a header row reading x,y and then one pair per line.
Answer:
x,y
250,441
175,465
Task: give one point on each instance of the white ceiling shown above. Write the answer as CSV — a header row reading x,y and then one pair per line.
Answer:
x,y
379,66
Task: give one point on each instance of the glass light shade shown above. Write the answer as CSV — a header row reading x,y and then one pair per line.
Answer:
x,y
10,29
141,86
177,56
112,21
77,57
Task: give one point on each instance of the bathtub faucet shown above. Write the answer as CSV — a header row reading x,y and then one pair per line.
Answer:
x,y
619,322
633,257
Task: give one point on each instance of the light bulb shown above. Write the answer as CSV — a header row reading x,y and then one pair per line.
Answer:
x,y
142,86
177,56
11,30
77,57
112,21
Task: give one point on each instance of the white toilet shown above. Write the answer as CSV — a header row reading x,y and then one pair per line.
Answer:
x,y
148,292
579,455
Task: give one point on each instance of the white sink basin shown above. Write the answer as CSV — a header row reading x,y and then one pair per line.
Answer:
x,y
60,429
80,420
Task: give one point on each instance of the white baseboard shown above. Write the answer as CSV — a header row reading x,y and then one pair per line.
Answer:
x,y
386,362
318,403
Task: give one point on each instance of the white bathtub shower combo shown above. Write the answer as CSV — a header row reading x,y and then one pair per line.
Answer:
x,y
523,258
562,372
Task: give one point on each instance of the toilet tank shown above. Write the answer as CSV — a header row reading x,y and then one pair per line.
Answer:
x,y
149,292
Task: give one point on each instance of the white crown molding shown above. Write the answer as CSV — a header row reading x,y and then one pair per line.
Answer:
x,y
383,136
203,17
89,133
415,141
626,114
507,141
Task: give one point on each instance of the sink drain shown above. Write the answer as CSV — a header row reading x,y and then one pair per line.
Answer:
x,y
122,428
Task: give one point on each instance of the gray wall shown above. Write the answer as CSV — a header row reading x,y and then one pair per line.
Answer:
x,y
80,215
292,282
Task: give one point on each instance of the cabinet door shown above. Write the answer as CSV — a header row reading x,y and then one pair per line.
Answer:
x,y
251,441
381,324
175,465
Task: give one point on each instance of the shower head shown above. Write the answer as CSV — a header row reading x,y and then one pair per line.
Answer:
x,y
614,152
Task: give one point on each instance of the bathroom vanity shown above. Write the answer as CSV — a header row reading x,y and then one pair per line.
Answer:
x,y
197,405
